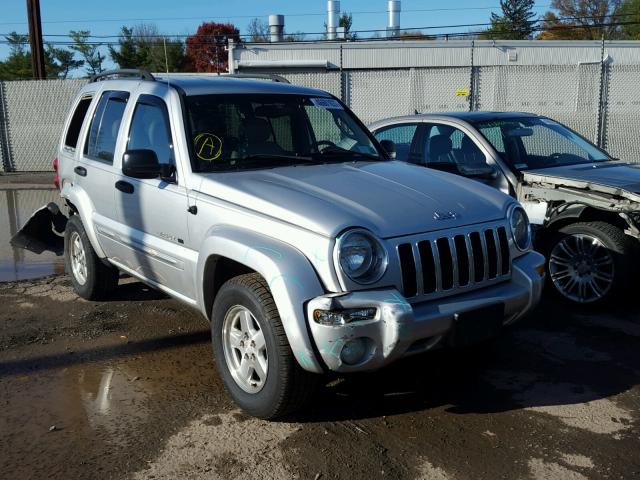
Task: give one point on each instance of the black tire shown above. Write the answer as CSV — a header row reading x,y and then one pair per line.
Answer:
x,y
100,279
287,387
619,246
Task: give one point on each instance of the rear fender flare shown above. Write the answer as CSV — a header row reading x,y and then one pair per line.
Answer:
x,y
84,207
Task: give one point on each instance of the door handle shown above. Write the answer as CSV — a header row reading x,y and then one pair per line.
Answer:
x,y
123,186
81,171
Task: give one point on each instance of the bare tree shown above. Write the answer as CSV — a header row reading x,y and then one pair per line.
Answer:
x,y
258,30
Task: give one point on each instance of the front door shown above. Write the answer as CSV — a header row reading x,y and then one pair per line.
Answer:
x,y
153,212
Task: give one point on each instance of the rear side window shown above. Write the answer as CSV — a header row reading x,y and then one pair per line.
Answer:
x,y
103,133
73,132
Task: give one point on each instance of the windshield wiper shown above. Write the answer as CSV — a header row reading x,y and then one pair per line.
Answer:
x,y
269,158
335,150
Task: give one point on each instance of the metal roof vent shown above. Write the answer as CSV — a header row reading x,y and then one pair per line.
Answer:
x,y
393,9
333,18
276,28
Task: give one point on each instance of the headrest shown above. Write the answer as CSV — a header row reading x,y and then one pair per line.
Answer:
x,y
439,145
257,130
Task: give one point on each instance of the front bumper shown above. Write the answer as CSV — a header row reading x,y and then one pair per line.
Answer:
x,y
401,328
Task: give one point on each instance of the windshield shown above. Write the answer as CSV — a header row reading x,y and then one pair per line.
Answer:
x,y
534,142
230,132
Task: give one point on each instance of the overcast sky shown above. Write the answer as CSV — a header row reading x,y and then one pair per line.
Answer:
x,y
180,18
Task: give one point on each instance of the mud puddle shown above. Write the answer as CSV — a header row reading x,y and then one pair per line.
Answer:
x,y
16,206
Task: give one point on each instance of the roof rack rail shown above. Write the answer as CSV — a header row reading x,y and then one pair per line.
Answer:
x,y
259,76
125,72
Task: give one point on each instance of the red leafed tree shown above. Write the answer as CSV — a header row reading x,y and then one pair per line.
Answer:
x,y
206,48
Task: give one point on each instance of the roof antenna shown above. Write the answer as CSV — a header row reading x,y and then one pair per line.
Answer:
x,y
166,59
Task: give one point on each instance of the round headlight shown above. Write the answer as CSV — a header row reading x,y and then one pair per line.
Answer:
x,y
520,228
361,256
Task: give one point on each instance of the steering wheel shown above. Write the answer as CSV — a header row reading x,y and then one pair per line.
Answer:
x,y
328,143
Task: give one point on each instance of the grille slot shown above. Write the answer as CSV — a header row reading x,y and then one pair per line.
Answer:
x,y
492,253
439,266
446,263
408,266
504,249
478,256
463,260
428,266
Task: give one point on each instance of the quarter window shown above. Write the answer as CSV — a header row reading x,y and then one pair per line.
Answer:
x,y
103,133
73,132
150,129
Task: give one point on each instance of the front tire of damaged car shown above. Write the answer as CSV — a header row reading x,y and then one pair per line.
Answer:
x,y
253,356
589,262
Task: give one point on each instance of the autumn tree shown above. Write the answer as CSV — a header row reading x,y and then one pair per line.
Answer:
x,y
581,20
206,48
516,22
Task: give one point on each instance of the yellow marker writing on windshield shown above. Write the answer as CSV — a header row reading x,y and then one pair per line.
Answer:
x,y
208,146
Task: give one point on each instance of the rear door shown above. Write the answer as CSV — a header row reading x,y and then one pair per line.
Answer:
x,y
152,213
95,172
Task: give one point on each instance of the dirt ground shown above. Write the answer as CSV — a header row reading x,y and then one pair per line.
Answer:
x,y
128,389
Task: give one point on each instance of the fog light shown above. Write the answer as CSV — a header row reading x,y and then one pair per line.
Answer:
x,y
336,318
353,351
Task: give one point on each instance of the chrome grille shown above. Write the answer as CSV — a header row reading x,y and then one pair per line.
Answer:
x,y
442,265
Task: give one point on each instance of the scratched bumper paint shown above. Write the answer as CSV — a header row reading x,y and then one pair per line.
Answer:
x,y
400,328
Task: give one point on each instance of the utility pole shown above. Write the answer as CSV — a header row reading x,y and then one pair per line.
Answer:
x,y
35,39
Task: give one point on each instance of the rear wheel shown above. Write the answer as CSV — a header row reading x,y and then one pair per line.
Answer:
x,y
589,262
252,353
91,278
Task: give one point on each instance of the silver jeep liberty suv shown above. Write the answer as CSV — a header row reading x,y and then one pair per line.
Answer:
x,y
271,209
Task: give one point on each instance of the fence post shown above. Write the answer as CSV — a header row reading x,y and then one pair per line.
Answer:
x,y
5,146
343,90
602,99
473,81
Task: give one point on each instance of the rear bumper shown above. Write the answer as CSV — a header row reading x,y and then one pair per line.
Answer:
x,y
401,328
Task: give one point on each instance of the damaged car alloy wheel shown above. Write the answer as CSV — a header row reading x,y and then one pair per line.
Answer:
x,y
586,261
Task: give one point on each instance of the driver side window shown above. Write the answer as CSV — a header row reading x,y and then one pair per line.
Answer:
x,y
449,149
150,129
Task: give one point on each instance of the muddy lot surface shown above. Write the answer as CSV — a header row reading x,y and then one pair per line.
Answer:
x,y
128,389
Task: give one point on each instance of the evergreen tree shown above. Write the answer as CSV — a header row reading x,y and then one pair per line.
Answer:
x,y
89,51
517,21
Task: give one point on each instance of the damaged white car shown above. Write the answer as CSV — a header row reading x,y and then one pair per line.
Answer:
x,y
583,204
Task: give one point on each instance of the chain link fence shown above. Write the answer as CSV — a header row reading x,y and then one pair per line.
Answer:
x,y
591,92
34,113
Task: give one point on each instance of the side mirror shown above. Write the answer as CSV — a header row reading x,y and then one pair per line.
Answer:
x,y
389,147
141,164
481,172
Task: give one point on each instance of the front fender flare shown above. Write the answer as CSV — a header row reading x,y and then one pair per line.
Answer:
x,y
291,278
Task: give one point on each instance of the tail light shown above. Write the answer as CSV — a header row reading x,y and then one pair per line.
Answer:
x,y
56,179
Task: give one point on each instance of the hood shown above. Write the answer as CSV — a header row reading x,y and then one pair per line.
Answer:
x,y
615,175
388,198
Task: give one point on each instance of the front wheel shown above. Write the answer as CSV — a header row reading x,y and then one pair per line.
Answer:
x,y
588,262
252,353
